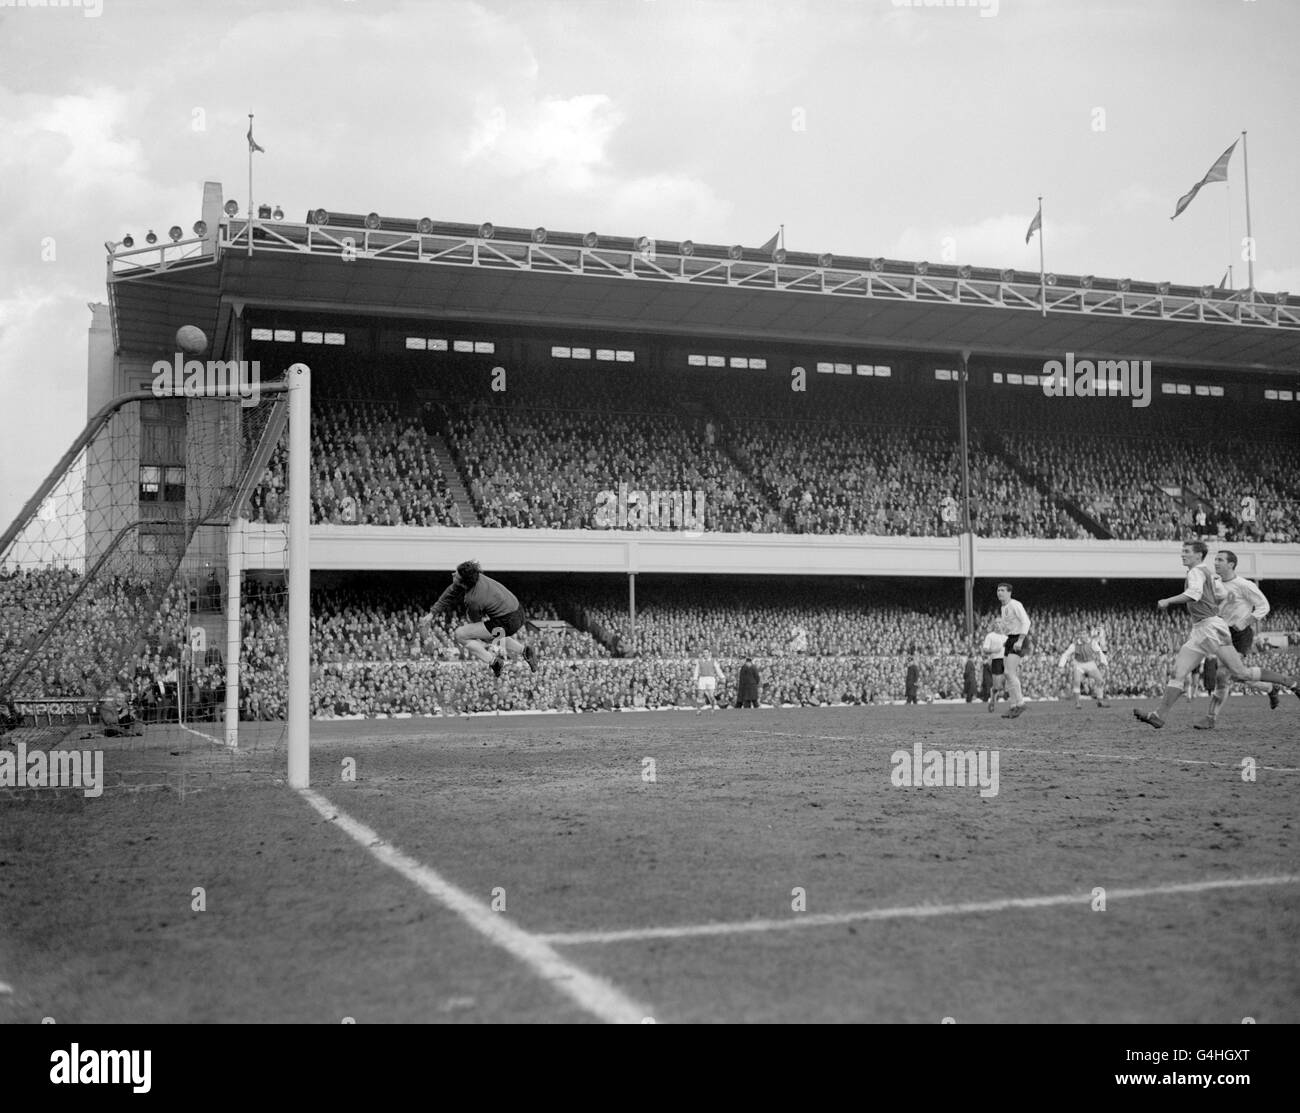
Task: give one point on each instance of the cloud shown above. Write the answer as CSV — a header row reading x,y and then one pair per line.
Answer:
x,y
561,143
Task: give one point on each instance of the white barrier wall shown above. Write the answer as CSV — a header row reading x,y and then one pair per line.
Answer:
x,y
412,548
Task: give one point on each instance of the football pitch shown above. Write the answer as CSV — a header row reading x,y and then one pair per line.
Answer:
x,y
744,866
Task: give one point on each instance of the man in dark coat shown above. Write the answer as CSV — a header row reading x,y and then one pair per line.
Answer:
x,y
912,678
747,685
970,678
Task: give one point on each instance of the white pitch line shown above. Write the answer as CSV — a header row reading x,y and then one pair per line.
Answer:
x,y
594,994
208,738
915,912
1054,753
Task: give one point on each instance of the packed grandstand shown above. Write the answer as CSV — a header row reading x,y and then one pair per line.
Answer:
x,y
846,458
376,652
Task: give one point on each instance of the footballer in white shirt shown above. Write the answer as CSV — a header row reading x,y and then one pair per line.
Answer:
x,y
1016,622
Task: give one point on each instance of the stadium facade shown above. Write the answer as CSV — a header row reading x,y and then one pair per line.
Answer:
x,y
371,289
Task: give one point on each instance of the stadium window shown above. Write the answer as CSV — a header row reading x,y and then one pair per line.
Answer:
x,y
285,335
335,338
148,543
757,364
437,345
1216,392
883,372
997,378
717,361
173,485
582,353
463,346
560,352
1031,380
1284,395
1168,388
826,368
695,361
844,369
413,343
625,356
605,355
485,347
150,483
1184,388
943,374
313,338
1202,391
865,369
1271,395
1014,378
261,334
739,361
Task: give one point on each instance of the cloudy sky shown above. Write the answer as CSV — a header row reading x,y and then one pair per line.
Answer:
x,y
864,126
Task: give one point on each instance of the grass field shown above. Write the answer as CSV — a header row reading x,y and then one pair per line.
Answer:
x,y
673,898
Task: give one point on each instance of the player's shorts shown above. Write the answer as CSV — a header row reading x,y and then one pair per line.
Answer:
x,y
1242,640
997,666
1086,668
707,683
510,624
1207,636
1017,644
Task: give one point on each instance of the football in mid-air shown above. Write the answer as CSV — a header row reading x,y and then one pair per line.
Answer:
x,y
190,338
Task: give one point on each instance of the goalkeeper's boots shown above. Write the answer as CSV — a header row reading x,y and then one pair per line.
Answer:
x,y
1151,718
1205,724
531,656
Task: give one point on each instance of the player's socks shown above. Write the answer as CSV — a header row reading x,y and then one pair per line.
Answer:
x,y
1217,700
1017,696
1172,694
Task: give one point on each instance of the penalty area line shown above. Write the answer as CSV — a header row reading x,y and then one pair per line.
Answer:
x,y
593,994
914,912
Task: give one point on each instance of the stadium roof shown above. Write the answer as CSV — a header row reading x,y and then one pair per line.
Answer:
x,y
408,269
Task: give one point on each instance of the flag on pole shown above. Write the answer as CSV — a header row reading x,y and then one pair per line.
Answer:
x,y
253,144
1035,225
770,246
1217,173
1223,282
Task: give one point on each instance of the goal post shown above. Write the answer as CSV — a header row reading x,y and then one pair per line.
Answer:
x,y
101,597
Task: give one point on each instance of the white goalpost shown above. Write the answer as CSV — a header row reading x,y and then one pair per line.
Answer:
x,y
100,611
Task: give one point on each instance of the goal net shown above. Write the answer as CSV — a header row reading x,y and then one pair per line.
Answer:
x,y
125,623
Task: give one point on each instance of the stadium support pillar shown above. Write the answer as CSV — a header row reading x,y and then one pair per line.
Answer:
x,y
631,603
967,533
234,601
299,672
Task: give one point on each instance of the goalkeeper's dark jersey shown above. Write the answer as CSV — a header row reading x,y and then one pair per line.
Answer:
x,y
486,599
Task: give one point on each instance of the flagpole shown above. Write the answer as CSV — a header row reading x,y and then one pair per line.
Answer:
x,y
1042,268
1250,236
782,237
1228,211
250,187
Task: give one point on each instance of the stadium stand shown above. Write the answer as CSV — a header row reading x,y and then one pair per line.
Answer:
x,y
846,458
